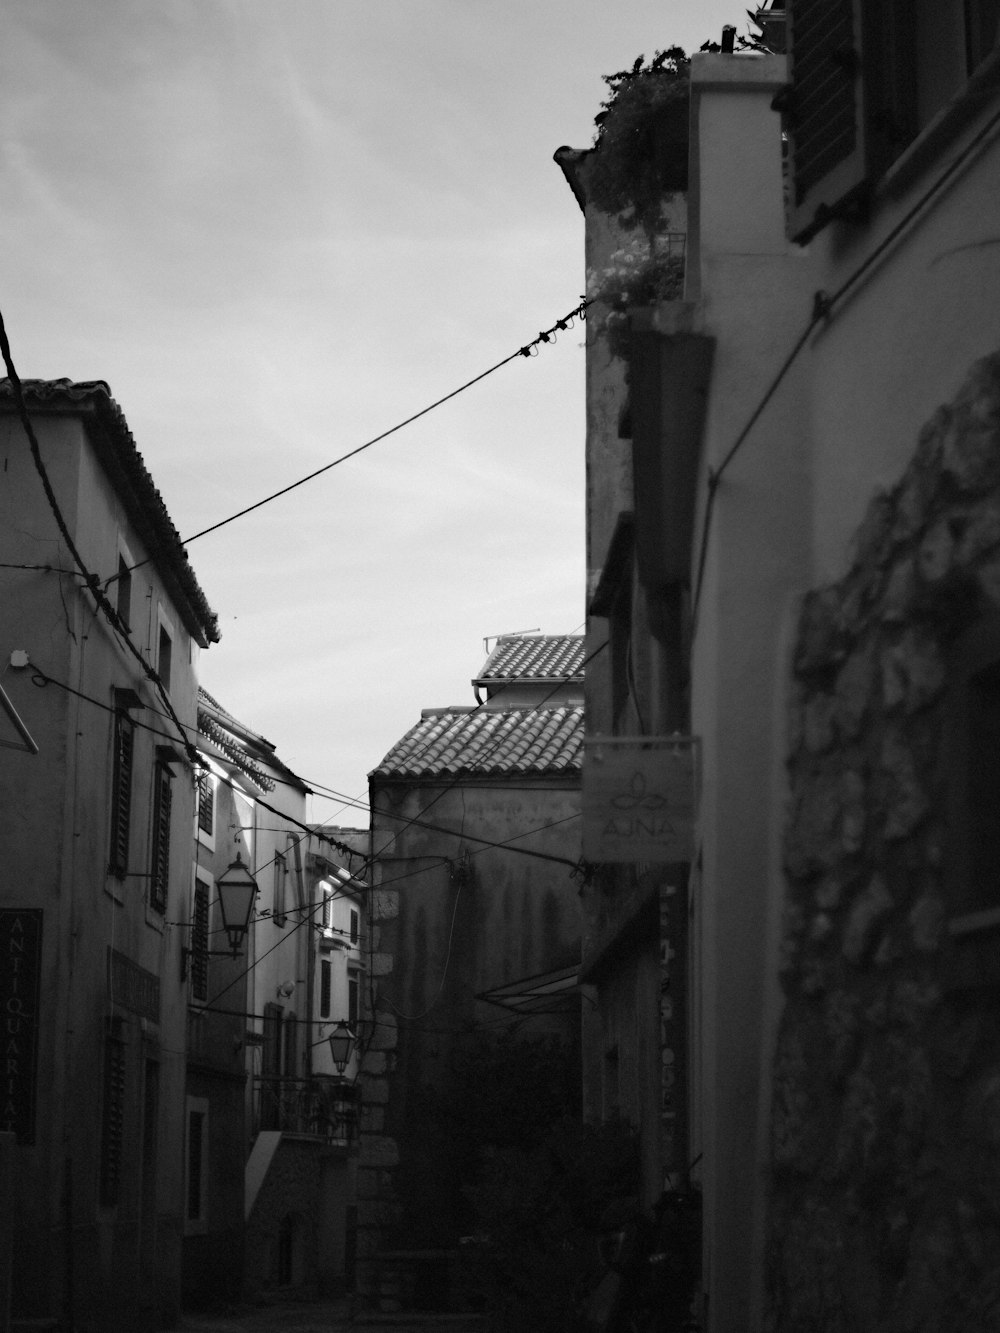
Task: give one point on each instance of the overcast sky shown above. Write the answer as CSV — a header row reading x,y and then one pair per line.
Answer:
x,y
276,230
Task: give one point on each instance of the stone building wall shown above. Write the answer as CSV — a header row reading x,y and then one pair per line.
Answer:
x,y
289,1198
885,1171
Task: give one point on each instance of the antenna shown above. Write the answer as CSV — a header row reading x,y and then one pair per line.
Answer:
x,y
510,634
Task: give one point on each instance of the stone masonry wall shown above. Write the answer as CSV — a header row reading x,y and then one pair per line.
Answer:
x,y
885,1172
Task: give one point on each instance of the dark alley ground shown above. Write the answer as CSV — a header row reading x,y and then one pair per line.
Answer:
x,y
323,1317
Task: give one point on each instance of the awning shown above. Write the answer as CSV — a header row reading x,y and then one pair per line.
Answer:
x,y
543,993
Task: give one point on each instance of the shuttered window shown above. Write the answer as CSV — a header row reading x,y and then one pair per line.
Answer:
x,y
353,998
160,861
325,987
121,794
206,804
113,1119
823,109
866,78
199,941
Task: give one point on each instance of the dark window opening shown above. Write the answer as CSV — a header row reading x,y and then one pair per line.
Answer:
x,y
163,659
123,593
354,926
353,998
196,1147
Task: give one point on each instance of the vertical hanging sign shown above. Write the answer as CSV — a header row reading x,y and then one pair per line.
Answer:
x,y
638,799
20,984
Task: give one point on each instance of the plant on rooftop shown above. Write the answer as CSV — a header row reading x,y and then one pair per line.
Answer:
x,y
642,272
641,142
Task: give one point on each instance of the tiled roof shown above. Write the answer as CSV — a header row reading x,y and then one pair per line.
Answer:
x,y
541,657
112,439
451,742
243,746
237,753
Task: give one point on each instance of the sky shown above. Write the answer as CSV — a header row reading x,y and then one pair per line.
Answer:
x,y
278,230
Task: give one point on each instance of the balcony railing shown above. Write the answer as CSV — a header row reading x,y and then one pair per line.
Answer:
x,y
320,1108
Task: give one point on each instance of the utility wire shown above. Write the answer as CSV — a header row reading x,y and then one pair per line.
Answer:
x,y
529,349
91,580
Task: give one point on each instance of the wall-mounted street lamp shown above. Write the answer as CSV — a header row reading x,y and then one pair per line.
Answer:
x,y
237,890
342,1043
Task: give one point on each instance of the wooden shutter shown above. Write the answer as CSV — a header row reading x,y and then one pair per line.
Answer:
x,y
199,942
121,794
325,987
823,110
113,1119
206,804
160,864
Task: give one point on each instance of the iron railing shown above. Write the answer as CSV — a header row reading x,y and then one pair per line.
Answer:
x,y
321,1108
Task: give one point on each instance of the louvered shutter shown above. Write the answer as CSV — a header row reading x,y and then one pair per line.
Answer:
x,y
112,1120
199,942
121,795
824,115
160,867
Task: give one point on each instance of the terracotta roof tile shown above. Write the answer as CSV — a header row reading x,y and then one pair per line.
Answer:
x,y
541,657
451,742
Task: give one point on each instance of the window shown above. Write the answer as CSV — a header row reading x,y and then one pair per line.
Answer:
x,y
279,907
327,906
325,987
121,793
163,656
160,859
354,926
290,1043
199,939
353,1000
196,1166
206,808
123,592
113,1115
867,77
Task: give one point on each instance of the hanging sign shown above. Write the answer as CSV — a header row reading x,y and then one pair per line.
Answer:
x,y
20,984
638,799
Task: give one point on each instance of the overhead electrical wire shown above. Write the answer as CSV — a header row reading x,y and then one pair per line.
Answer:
x,y
529,349
90,580
370,860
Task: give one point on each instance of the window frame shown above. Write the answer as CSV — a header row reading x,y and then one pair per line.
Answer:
x,y
279,900
114,1100
884,74
196,1222
199,942
122,788
207,782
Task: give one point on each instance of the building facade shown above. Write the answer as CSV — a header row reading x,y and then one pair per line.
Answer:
x,y
475,927
836,491
98,781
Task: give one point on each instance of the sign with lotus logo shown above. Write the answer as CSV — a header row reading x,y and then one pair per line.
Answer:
x,y
638,798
